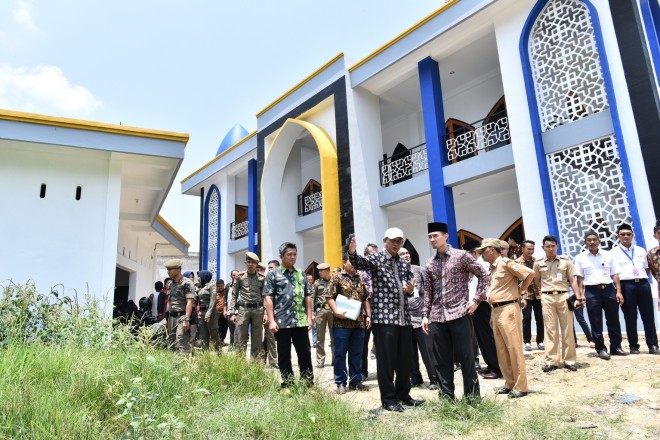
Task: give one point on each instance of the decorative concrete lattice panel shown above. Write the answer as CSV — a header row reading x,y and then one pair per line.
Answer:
x,y
568,78
213,221
589,193
408,165
213,268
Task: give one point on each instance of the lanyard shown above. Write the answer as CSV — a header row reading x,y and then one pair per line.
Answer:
x,y
630,257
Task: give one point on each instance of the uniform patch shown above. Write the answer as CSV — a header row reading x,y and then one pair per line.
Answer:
x,y
516,267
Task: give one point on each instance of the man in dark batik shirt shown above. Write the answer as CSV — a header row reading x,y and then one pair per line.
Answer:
x,y
392,282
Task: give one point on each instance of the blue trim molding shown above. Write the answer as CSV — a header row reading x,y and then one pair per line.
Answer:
x,y
651,17
253,206
442,197
536,126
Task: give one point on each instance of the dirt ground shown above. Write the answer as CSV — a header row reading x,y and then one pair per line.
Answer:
x,y
619,398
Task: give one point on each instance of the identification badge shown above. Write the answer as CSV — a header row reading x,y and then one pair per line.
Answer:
x,y
416,293
560,277
606,273
635,272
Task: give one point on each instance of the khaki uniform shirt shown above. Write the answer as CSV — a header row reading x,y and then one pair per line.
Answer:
x,y
179,294
247,288
320,301
505,276
532,290
555,274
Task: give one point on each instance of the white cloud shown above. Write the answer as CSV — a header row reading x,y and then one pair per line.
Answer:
x,y
22,14
44,89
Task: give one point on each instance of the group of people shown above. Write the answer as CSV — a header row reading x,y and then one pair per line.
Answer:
x,y
459,302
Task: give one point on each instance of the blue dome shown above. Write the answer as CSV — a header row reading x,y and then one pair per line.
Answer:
x,y
234,135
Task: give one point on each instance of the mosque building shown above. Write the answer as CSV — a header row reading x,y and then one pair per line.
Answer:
x,y
498,117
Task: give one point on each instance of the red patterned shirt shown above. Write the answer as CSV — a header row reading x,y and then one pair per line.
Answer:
x,y
446,279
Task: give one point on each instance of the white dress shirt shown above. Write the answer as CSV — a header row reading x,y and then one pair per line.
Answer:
x,y
596,269
632,262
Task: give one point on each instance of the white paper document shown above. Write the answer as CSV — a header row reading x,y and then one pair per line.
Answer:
x,y
352,307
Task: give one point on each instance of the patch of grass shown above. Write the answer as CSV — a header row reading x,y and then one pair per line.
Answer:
x,y
461,417
548,421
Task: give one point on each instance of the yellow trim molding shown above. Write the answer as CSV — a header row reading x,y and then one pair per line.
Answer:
x,y
300,84
329,185
219,156
403,35
56,121
172,231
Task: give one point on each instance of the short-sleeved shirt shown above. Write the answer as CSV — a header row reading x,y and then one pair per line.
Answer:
x,y
532,290
555,274
179,294
206,297
318,290
654,262
352,287
288,288
505,276
596,269
632,262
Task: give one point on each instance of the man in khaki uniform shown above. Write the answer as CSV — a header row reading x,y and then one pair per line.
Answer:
x,y
554,274
324,317
181,301
507,318
248,304
533,299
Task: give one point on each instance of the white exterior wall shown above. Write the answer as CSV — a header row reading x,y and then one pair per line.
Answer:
x,y
227,188
366,147
508,29
628,126
68,242
472,103
415,229
407,129
136,252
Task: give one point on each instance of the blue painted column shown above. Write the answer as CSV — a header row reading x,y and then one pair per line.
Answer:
x,y
253,207
442,197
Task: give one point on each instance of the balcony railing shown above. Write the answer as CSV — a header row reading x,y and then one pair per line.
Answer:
x,y
484,135
308,203
239,229
403,166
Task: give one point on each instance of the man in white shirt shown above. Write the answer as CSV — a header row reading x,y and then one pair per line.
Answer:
x,y
597,270
636,289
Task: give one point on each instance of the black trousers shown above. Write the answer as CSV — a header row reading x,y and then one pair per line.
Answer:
x,y
422,343
223,326
449,339
637,295
364,369
299,337
579,317
394,357
533,304
485,337
599,301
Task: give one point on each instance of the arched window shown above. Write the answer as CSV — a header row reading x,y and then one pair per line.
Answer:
x,y
567,72
212,236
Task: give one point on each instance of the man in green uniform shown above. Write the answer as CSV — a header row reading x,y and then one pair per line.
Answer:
x,y
247,302
181,301
323,314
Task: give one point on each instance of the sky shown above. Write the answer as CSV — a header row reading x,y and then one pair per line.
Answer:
x,y
194,66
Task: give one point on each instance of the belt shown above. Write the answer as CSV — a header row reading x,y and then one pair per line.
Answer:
x,y
177,314
599,286
636,280
249,305
503,303
555,292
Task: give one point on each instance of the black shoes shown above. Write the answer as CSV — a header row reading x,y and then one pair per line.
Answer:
x,y
634,350
571,367
491,375
514,394
412,402
619,352
396,407
502,390
549,368
358,387
604,355
653,349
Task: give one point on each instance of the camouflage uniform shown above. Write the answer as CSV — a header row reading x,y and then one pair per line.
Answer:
x,y
208,330
324,318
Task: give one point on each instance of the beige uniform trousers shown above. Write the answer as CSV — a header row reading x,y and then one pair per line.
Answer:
x,y
556,310
253,318
270,348
507,328
324,319
179,339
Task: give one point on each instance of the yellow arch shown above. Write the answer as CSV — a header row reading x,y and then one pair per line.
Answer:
x,y
329,184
